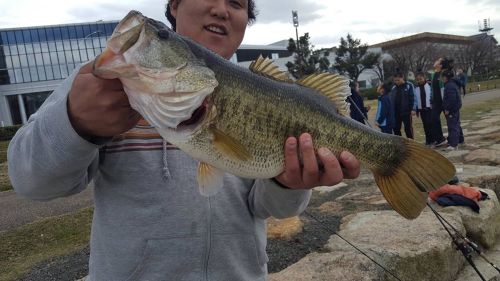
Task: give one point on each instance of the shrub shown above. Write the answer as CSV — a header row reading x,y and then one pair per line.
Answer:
x,y
6,133
370,94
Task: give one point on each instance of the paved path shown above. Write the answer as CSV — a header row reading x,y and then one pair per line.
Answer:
x,y
17,211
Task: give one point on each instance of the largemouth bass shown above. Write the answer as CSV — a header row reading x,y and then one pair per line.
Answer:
x,y
236,120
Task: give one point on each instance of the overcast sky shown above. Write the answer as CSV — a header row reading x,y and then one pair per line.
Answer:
x,y
325,20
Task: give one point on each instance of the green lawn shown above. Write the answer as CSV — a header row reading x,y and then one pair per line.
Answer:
x,y
21,249
4,179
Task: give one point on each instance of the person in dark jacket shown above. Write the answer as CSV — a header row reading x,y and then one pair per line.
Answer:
x,y
462,77
423,98
358,110
437,139
384,118
403,104
451,106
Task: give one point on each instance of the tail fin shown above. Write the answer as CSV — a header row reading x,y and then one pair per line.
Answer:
x,y
421,171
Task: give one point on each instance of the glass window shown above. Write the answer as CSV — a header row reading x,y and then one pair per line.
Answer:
x,y
66,45
13,49
76,56
49,72
91,53
34,74
83,55
57,33
79,31
50,34
57,71
19,37
86,30
59,45
72,32
21,49
64,71
69,56
34,35
46,59
11,38
8,62
3,37
31,59
15,114
24,60
26,36
41,34
61,57
45,47
26,75
52,46
29,48
38,59
41,73
65,32
15,61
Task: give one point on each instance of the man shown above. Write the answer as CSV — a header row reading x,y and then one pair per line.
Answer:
x,y
358,110
451,106
150,222
403,102
437,85
423,98
462,77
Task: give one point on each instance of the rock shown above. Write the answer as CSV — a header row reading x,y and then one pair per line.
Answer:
x,y
495,146
413,249
483,228
343,266
483,156
456,155
283,228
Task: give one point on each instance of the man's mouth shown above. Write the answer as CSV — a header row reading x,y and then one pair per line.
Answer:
x,y
220,30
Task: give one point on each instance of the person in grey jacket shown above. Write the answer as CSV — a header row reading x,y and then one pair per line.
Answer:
x,y
150,222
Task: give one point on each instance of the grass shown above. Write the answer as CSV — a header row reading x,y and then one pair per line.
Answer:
x,y
483,85
21,249
4,178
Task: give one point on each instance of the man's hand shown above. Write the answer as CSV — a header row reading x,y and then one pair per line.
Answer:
x,y
99,107
310,175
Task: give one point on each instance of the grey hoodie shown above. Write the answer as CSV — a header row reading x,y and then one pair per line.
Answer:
x,y
150,222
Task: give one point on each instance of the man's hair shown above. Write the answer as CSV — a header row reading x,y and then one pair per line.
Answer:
x,y
252,13
448,73
447,64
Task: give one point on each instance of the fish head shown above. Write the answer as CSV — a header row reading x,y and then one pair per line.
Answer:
x,y
164,80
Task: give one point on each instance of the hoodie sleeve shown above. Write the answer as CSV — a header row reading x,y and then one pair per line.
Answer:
x,y
47,158
267,198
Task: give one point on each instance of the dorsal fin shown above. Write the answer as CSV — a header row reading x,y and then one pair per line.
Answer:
x,y
266,67
334,86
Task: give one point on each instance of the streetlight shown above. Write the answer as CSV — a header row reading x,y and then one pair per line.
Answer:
x,y
295,18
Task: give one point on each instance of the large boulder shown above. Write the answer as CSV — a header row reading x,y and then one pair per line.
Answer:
x,y
417,249
482,227
483,156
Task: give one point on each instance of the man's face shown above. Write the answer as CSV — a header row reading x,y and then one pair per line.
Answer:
x,y
420,80
437,65
399,81
218,25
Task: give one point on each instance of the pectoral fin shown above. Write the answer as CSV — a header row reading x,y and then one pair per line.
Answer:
x,y
228,146
210,179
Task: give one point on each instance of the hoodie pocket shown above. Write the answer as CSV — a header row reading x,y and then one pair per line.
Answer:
x,y
171,259
237,257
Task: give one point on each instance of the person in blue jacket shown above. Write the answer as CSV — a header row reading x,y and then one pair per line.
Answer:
x,y
384,118
451,106
403,102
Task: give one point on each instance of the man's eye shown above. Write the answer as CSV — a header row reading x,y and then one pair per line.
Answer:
x,y
236,4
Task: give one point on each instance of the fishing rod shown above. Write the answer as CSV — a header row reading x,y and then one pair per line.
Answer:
x,y
465,245
360,112
329,229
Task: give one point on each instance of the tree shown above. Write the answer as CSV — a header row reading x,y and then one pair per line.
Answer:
x,y
353,57
306,60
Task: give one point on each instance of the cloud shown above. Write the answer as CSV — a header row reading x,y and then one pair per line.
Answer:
x,y
281,10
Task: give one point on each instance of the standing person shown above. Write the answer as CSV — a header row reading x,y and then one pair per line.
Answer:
x,y
451,106
462,77
358,110
424,110
403,103
437,138
150,222
384,118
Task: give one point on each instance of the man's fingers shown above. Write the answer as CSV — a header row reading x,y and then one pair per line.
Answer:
x,y
292,165
351,166
333,173
310,172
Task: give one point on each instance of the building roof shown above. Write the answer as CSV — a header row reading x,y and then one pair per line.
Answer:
x,y
58,25
424,36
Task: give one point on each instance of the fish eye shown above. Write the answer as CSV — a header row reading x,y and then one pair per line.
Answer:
x,y
163,34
